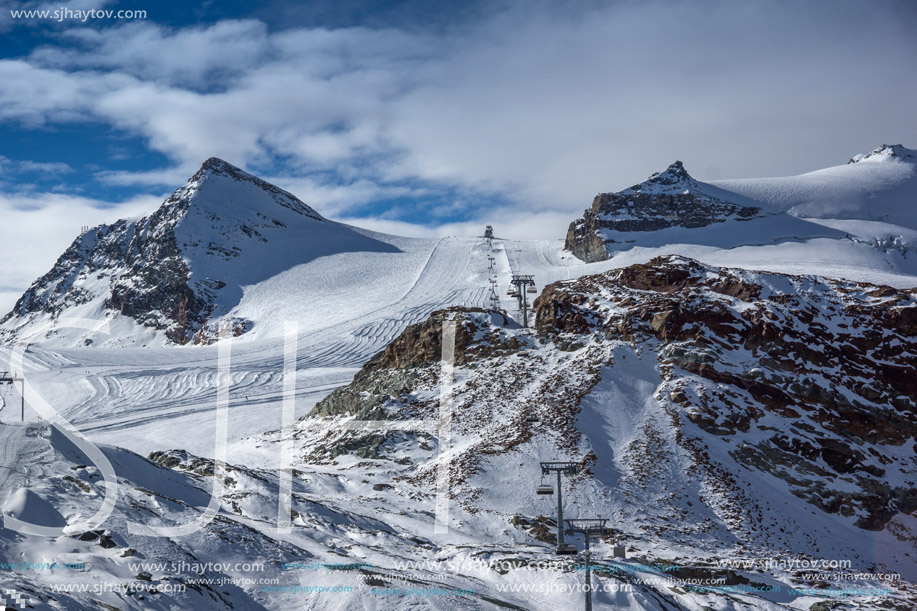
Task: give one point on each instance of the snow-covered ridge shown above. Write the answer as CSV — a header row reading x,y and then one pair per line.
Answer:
x,y
885,152
219,173
162,278
877,186
671,207
675,180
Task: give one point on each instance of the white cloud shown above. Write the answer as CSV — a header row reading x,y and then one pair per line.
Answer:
x,y
12,166
192,57
38,227
540,105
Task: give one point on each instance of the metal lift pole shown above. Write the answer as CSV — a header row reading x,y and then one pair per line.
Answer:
x,y
591,527
560,514
588,578
522,282
7,377
560,467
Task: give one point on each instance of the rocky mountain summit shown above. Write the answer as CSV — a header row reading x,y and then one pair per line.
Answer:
x,y
180,269
710,409
886,151
671,198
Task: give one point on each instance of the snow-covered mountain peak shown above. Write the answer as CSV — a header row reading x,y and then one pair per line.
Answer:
x,y
674,179
186,264
669,208
217,165
219,187
674,174
878,186
885,153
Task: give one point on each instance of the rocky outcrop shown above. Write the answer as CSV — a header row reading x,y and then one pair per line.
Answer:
x,y
667,199
831,360
390,375
707,407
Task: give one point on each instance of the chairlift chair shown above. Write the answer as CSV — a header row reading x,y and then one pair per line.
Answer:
x,y
531,289
544,489
566,550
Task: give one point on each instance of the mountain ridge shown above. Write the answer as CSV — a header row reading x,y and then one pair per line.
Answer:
x,y
186,263
672,207
880,185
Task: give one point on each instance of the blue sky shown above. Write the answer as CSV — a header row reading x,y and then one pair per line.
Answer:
x,y
422,117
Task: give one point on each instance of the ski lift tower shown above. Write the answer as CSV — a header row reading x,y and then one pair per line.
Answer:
x,y
525,284
590,527
8,378
568,468
494,300
489,233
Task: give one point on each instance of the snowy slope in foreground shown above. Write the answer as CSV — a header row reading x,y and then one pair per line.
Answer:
x,y
685,440
713,413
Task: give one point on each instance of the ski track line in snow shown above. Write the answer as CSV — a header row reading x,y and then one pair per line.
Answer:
x,y
174,393
455,273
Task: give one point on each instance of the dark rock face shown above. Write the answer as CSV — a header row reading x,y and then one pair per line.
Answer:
x,y
831,360
155,288
402,382
392,373
667,199
146,276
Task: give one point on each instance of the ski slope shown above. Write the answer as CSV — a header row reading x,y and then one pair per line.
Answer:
x,y
147,398
348,307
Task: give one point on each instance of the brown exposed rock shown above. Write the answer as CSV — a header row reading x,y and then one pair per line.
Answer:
x,y
557,310
658,276
838,390
667,199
